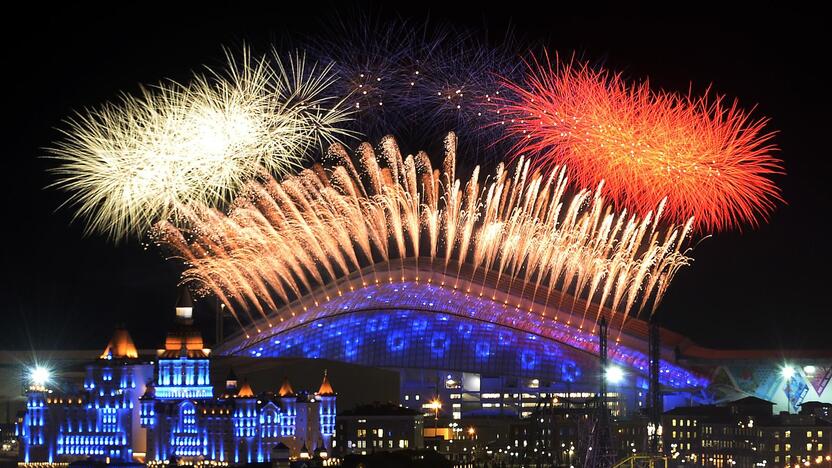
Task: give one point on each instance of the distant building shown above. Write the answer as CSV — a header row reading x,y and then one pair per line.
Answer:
x,y
378,427
817,409
745,433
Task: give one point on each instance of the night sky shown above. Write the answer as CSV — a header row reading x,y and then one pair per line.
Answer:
x,y
761,288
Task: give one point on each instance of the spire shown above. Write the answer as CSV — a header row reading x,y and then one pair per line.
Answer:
x,y
286,388
231,380
320,450
184,306
184,340
326,388
121,346
245,390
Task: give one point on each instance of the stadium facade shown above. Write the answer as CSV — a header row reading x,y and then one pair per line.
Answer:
x,y
478,349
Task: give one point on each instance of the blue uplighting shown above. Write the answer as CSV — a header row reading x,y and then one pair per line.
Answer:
x,y
427,326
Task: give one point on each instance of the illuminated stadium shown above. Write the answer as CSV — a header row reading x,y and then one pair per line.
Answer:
x,y
485,293
480,353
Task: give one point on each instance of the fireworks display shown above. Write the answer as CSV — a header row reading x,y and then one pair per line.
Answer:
x,y
709,159
215,168
419,81
283,240
134,163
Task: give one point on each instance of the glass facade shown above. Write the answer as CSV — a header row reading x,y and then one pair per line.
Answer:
x,y
418,325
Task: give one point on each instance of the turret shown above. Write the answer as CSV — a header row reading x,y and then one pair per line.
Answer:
x,y
288,406
286,389
121,346
245,422
183,369
231,384
184,307
325,388
245,391
326,410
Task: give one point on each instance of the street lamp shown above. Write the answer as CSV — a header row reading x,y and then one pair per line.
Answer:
x,y
614,374
435,405
787,372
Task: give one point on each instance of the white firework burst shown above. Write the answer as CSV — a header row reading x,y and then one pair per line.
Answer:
x,y
129,164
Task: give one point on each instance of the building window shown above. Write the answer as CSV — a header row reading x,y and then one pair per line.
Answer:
x,y
809,447
361,433
788,434
809,434
788,447
776,447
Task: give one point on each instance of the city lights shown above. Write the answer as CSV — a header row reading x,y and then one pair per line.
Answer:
x,y
39,376
436,218
614,374
435,405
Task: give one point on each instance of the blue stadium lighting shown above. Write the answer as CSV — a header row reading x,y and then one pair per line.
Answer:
x,y
394,324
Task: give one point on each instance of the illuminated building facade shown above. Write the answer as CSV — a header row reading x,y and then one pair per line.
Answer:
x,y
377,428
165,410
99,421
185,421
239,426
746,433
485,350
471,353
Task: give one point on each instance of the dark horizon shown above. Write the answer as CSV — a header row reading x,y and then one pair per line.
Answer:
x,y
764,287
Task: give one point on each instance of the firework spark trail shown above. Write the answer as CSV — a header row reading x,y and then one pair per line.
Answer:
x,y
131,164
286,241
421,80
708,159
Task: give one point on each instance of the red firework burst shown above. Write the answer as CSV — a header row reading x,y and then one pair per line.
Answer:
x,y
709,160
